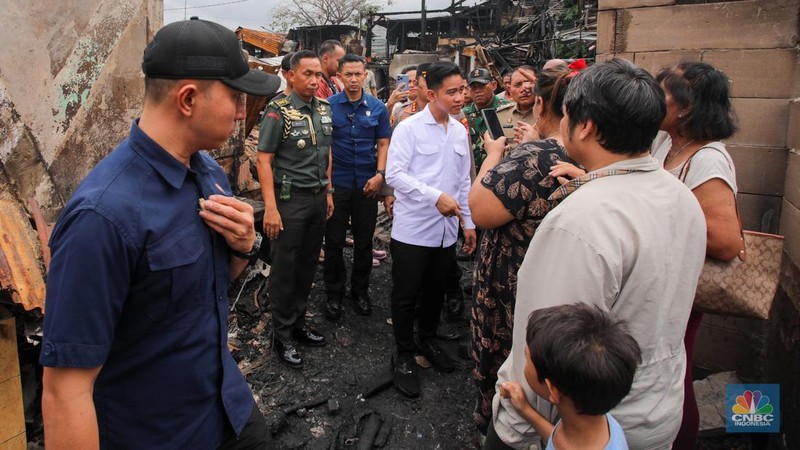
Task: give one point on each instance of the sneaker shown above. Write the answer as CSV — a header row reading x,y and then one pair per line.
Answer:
x,y
405,379
380,255
439,359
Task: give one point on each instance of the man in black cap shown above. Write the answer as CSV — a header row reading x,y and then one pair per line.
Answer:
x,y
135,353
481,87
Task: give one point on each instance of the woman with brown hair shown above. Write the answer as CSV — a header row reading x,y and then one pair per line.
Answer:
x,y
508,200
698,117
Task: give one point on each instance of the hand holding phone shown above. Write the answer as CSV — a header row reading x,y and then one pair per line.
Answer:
x,y
492,123
402,82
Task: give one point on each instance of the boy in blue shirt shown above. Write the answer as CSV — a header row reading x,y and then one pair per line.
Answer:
x,y
583,362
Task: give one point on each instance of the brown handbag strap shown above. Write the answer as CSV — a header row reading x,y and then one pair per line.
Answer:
x,y
685,170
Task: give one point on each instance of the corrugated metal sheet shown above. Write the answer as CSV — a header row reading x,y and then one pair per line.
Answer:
x,y
20,269
270,42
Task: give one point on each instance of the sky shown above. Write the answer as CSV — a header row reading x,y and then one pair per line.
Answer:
x,y
256,14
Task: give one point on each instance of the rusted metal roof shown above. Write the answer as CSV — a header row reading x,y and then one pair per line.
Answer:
x,y
270,42
20,268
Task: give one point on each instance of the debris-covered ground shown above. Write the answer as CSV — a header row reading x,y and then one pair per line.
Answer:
x,y
343,397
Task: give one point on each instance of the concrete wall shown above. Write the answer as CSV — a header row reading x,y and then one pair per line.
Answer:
x,y
70,84
754,43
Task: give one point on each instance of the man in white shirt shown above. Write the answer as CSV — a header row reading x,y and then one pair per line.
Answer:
x,y
628,237
428,166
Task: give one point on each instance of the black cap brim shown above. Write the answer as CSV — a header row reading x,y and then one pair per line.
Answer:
x,y
255,82
479,80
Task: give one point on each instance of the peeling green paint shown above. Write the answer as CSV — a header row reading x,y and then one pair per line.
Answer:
x,y
84,66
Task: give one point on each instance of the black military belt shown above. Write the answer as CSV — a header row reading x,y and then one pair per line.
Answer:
x,y
303,190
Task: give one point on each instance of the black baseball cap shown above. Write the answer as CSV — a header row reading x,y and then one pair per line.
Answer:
x,y
200,49
479,75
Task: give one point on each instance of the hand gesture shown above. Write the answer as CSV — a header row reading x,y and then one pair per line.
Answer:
x,y
448,206
373,186
493,146
525,132
564,171
232,219
329,210
272,223
388,205
470,241
514,392
397,96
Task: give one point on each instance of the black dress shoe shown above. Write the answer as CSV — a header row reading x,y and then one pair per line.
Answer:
x,y
453,309
448,332
286,353
333,309
404,372
307,336
439,359
362,305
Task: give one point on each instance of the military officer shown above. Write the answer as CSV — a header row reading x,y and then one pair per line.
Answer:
x,y
521,91
481,86
294,169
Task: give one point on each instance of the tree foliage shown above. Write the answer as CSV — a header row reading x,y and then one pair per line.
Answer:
x,y
295,13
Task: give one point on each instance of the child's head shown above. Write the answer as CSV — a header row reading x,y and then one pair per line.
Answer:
x,y
577,351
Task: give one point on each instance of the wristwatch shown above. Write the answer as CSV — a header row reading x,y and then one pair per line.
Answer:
x,y
253,251
382,172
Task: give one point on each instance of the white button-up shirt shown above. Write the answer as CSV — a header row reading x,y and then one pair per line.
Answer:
x,y
425,159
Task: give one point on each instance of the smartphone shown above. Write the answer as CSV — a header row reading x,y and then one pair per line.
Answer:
x,y
402,82
492,123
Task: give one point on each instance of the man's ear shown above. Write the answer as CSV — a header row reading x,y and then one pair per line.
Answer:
x,y
430,95
555,394
186,98
587,130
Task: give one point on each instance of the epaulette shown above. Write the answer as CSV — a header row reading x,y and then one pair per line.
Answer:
x,y
281,102
323,100
506,106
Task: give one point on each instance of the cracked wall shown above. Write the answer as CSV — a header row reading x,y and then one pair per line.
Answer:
x,y
70,85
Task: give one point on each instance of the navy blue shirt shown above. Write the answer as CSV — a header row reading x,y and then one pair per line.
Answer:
x,y
138,284
357,126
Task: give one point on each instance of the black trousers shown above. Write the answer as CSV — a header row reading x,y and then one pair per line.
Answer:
x,y
254,436
493,442
361,212
294,259
417,273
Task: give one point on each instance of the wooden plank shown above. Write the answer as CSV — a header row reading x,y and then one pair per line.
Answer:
x,y
760,212
22,275
790,229
12,417
770,73
792,185
793,131
15,443
719,25
619,4
762,121
9,360
655,61
759,170
606,21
